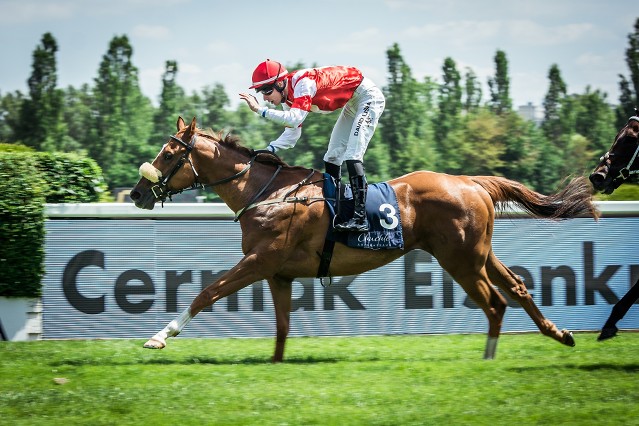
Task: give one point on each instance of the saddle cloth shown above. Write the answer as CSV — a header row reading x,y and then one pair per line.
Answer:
x,y
382,212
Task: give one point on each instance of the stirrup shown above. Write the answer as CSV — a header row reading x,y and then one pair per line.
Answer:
x,y
352,226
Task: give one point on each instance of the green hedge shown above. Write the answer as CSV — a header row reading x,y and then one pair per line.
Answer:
x,y
72,178
28,180
22,197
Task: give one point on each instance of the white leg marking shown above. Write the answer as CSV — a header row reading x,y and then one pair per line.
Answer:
x,y
491,347
171,330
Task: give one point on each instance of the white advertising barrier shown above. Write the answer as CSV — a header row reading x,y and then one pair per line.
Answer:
x,y
114,271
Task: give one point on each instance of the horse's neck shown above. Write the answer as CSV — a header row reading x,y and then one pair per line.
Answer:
x,y
236,193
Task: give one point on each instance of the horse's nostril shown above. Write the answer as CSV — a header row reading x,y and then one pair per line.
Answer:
x,y
597,178
135,195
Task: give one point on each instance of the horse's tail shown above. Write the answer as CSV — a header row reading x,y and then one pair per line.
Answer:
x,y
575,199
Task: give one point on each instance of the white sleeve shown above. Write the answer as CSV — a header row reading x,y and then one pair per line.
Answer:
x,y
287,139
288,117
305,89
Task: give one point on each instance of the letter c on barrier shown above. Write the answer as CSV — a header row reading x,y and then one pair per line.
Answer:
x,y
88,305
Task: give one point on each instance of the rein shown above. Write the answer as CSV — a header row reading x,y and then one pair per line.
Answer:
x,y
161,191
285,199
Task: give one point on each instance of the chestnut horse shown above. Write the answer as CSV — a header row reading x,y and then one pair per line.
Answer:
x,y
284,221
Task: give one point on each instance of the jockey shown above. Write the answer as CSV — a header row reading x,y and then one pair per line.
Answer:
x,y
324,90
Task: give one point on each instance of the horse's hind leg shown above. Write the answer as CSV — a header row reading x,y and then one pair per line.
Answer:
x,y
281,290
494,306
497,309
513,285
489,300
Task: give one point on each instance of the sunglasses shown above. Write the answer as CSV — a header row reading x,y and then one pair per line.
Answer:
x,y
266,89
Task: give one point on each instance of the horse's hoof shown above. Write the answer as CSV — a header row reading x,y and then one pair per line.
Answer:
x,y
568,338
607,333
154,344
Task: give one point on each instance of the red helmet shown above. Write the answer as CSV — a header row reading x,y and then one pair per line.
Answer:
x,y
268,72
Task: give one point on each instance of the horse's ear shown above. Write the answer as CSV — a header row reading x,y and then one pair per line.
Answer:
x,y
193,126
180,123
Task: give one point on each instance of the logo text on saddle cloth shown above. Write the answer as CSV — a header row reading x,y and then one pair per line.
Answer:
x,y
383,216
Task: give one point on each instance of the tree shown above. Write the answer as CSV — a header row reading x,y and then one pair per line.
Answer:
x,y
41,125
480,143
404,126
123,121
629,88
548,167
215,102
519,139
472,92
595,121
626,106
578,156
500,101
79,118
448,117
632,59
10,107
557,92
171,105
193,107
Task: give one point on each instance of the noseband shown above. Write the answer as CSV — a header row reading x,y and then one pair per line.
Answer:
x,y
160,189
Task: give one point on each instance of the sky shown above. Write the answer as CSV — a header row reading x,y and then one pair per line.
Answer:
x,y
223,41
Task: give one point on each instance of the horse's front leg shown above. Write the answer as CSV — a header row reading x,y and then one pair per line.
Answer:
x,y
281,290
246,272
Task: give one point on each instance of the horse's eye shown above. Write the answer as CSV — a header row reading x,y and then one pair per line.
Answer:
x,y
168,156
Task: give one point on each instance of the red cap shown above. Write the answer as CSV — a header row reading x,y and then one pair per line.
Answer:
x,y
268,72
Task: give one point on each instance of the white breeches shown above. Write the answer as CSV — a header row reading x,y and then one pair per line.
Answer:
x,y
356,124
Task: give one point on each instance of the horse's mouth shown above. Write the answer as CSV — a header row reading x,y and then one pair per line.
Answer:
x,y
143,199
145,206
606,188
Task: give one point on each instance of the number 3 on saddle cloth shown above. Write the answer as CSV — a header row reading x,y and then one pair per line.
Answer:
x,y
383,217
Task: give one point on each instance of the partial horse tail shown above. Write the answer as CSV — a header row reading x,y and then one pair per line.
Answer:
x,y
575,199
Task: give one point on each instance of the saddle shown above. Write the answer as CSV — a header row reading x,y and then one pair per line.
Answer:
x,y
382,212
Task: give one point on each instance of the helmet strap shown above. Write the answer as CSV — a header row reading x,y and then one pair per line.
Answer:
x,y
280,89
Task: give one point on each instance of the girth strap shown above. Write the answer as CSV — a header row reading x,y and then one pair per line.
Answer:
x,y
325,261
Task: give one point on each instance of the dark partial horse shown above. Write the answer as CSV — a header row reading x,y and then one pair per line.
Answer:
x,y
284,220
620,164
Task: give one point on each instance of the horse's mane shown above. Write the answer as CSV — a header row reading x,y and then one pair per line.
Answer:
x,y
233,142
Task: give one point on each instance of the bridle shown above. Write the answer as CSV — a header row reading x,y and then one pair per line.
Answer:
x,y
626,171
161,191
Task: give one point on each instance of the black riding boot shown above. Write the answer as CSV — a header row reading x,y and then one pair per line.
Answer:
x,y
336,172
333,170
358,223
